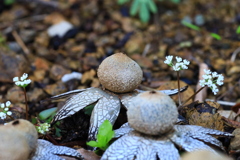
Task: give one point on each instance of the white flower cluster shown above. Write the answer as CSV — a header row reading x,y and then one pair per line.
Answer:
x,y
179,65
5,110
23,82
212,79
43,128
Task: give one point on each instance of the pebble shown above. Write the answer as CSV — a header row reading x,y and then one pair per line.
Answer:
x,y
12,65
59,29
58,71
70,76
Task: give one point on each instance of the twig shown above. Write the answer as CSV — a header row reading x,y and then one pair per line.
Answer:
x,y
201,96
180,106
179,93
234,55
225,103
20,42
146,49
25,94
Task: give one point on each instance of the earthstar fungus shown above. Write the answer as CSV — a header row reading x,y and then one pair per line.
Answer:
x,y
151,133
119,76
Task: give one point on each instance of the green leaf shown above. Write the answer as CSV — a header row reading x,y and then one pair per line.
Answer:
x,y
144,12
88,109
57,132
238,30
9,2
152,6
216,36
105,134
47,113
93,143
120,2
190,25
34,120
134,7
175,1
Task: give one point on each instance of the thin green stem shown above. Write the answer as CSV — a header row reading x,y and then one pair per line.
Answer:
x,y
190,97
25,94
179,93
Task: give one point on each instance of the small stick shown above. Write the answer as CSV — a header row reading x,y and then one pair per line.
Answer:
x,y
179,107
25,94
21,43
203,94
179,93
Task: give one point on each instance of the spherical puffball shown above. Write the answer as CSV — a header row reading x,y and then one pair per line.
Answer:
x,y
18,140
152,113
119,73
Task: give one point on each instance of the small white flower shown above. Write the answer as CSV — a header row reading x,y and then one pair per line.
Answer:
x,y
179,65
15,79
168,60
207,71
2,105
24,76
27,81
186,62
179,59
176,67
3,115
214,74
9,113
43,127
8,103
6,109
211,79
184,66
23,82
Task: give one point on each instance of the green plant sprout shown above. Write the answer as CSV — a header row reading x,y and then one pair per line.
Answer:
x,y
238,30
23,82
190,25
42,128
196,28
9,2
3,42
105,134
47,117
143,8
216,36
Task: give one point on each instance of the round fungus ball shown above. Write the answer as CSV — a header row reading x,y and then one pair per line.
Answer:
x,y
119,73
152,113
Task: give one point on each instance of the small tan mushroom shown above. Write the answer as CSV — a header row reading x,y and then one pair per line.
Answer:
x,y
152,113
119,73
